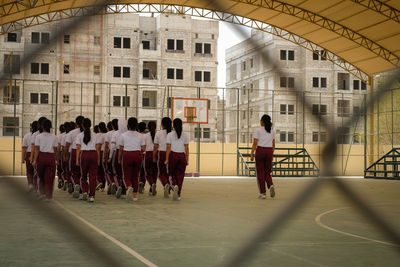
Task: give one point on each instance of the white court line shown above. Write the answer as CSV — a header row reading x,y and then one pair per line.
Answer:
x,y
112,239
296,257
318,221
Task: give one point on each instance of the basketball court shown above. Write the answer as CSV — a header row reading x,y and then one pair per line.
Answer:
x,y
214,218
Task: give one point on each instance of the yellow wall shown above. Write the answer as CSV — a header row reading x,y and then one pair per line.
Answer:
x,y
212,161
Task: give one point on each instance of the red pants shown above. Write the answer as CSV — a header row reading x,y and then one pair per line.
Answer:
x,y
163,174
30,171
59,168
46,171
88,164
131,163
176,169
264,167
151,168
109,170
65,171
101,178
75,172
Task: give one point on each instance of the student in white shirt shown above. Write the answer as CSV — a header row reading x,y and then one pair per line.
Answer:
x,y
118,178
159,153
264,146
150,166
70,153
131,146
32,144
69,126
109,150
142,176
26,154
46,158
101,176
61,180
88,159
177,157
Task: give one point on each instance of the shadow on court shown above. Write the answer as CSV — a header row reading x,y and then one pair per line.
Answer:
x,y
213,219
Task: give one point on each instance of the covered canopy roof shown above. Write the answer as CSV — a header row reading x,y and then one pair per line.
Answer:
x,y
365,33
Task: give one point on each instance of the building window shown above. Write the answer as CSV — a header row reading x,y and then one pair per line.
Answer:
x,y
282,136
363,86
117,42
35,37
126,72
174,45
290,82
323,82
343,108
34,98
207,48
10,126
323,54
149,99
170,44
96,40
283,109
11,94
170,74
244,90
343,81
197,132
127,43
179,74
117,72
66,69
283,55
44,98
146,45
290,137
319,137
44,68
315,56
319,54
343,136
197,76
116,101
11,64
291,54
282,82
65,99
34,68
286,82
319,109
96,70
146,74
199,48
291,109
206,76
315,82
244,65
356,84
126,100
45,38
179,45
12,37
206,133
66,39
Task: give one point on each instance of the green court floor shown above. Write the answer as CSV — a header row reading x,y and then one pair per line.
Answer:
x,y
214,218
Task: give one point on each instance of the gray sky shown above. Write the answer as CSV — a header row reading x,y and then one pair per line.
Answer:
x,y
228,37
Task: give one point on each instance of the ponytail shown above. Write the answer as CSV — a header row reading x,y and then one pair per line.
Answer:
x,y
86,130
266,119
152,128
166,122
79,121
178,127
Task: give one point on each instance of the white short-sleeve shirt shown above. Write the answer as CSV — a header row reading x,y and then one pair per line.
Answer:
x,y
177,145
109,134
102,138
132,141
47,142
89,146
33,137
149,142
64,139
264,138
60,138
26,142
161,140
71,138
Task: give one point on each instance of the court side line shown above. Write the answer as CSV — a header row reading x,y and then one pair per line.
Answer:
x,y
318,221
112,239
296,257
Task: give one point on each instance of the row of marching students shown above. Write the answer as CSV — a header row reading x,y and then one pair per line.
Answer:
x,y
114,156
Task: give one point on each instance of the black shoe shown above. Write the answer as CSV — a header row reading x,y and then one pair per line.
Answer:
x,y
60,183
70,188
141,188
109,190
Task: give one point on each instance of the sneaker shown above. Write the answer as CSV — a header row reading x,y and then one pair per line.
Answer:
x,y
102,189
76,191
123,196
80,197
262,196
141,188
41,197
109,190
113,188
166,190
175,196
272,191
91,199
119,191
99,186
60,183
129,194
134,199
70,188
153,189
84,196
65,186
31,188
179,198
